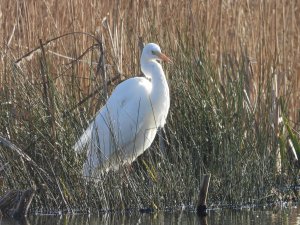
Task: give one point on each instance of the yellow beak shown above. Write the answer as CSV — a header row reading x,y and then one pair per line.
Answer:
x,y
163,57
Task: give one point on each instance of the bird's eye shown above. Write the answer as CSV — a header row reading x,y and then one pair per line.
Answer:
x,y
153,52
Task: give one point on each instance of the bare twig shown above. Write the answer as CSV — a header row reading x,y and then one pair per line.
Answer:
x,y
6,143
53,39
96,91
101,67
48,97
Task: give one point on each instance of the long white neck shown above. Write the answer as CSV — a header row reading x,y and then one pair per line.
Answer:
x,y
159,97
154,71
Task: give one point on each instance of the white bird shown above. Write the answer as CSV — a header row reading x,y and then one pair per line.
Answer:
x,y
127,124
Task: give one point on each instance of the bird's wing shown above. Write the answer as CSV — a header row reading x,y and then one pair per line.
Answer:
x,y
125,113
84,139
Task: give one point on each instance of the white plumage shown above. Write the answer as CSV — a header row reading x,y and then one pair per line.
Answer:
x,y
127,124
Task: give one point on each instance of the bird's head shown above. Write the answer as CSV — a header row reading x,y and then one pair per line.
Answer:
x,y
152,51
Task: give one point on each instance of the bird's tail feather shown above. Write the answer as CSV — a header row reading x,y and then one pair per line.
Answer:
x,y
84,140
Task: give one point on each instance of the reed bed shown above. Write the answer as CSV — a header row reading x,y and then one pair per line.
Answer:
x,y
234,99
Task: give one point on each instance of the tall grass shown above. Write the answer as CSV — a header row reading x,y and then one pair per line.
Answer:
x,y
234,99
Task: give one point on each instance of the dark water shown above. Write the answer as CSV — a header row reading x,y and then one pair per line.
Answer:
x,y
287,216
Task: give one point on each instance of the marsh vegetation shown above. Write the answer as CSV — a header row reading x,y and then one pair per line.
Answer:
x,y
234,99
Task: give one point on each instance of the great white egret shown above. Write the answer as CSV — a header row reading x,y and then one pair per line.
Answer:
x,y
127,124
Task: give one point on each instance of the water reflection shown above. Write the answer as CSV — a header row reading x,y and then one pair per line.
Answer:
x,y
289,216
